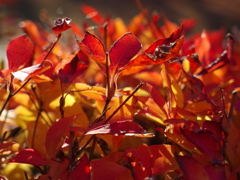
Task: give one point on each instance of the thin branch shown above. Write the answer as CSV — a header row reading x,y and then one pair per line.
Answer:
x,y
25,175
223,101
124,102
92,148
53,45
3,122
229,117
85,145
35,129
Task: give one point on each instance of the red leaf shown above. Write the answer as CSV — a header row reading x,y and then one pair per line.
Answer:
x,y
160,51
141,161
93,47
194,62
216,172
163,158
77,30
5,145
192,169
206,143
198,87
119,127
30,156
92,14
32,71
103,170
56,132
82,171
62,24
58,169
184,123
216,128
73,69
218,63
158,98
19,52
123,50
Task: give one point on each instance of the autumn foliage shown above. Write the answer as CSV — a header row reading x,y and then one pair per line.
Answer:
x,y
148,100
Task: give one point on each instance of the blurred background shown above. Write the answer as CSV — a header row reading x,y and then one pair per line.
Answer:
x,y
210,14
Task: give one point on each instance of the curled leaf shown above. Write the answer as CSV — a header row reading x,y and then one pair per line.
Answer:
x,y
218,63
62,24
160,51
73,69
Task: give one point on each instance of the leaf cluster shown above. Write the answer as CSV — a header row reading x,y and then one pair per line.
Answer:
x,y
117,101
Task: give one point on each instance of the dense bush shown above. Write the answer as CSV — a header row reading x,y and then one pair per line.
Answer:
x,y
145,101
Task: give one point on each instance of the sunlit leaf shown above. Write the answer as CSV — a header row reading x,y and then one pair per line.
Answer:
x,y
32,71
19,52
160,51
218,63
206,143
72,70
198,87
119,127
93,47
61,25
30,156
123,50
55,133
92,13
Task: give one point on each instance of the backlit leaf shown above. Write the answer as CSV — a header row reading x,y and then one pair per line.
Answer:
x,y
92,13
93,47
206,143
198,87
119,127
30,156
32,71
72,70
19,52
123,50
160,51
55,133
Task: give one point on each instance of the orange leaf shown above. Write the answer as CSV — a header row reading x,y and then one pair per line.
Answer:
x,y
55,133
